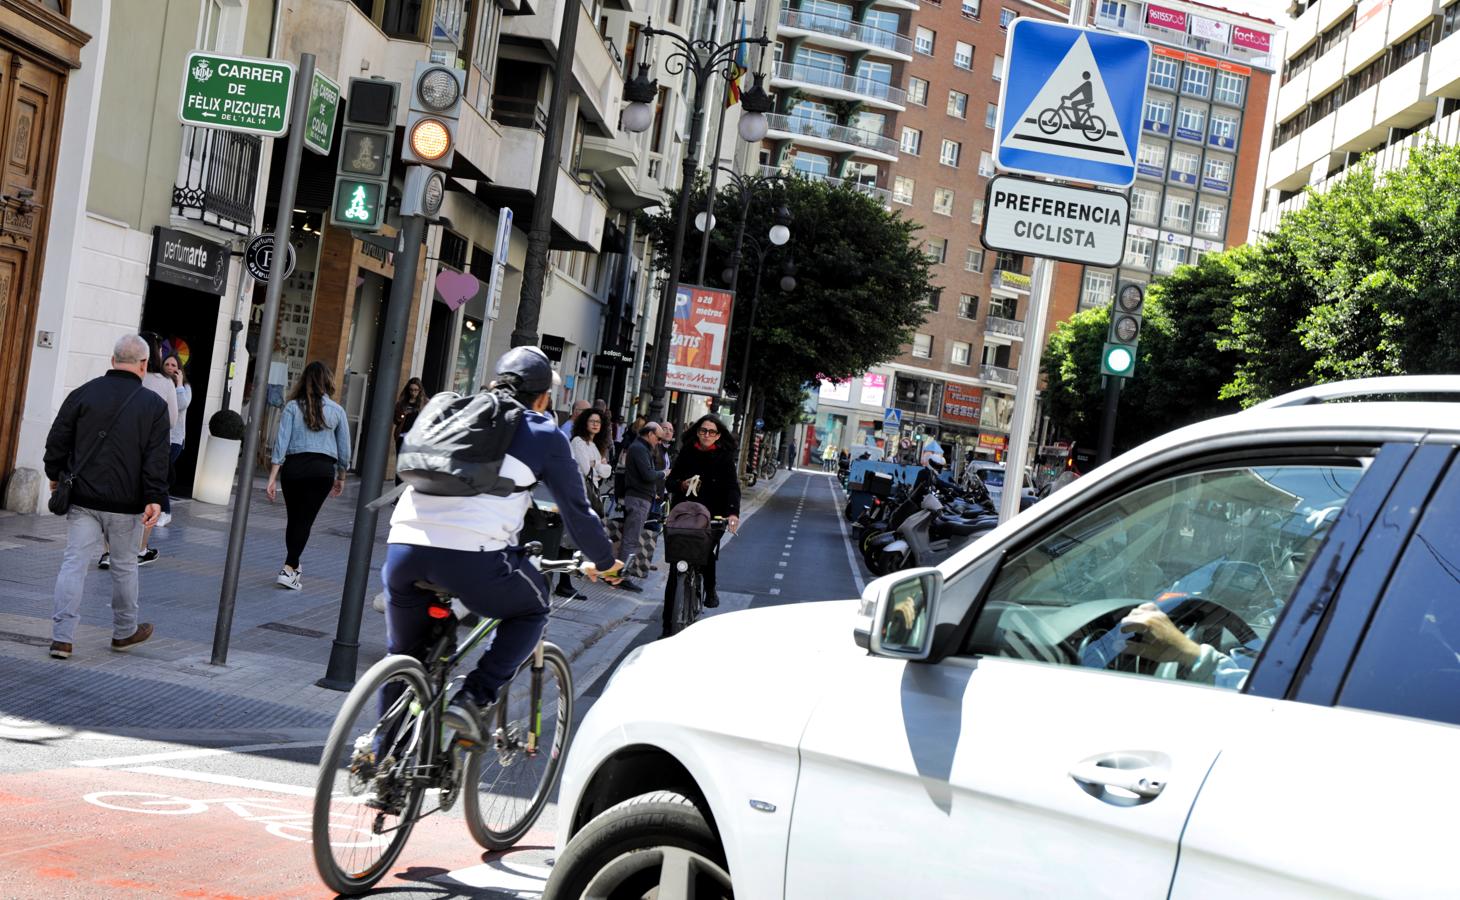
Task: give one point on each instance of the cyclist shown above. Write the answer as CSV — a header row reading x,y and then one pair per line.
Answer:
x,y
467,545
1081,99
706,465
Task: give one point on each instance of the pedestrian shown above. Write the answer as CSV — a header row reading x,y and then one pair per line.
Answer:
x,y
828,456
172,367
590,449
567,427
408,406
156,381
704,472
642,481
109,444
311,454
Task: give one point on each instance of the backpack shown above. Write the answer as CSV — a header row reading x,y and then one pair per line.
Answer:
x,y
457,445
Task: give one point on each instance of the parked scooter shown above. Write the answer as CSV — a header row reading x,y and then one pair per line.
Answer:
x,y
941,528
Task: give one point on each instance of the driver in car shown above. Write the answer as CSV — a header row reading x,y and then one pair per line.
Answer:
x,y
1155,637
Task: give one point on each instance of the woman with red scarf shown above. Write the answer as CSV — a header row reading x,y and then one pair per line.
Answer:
x,y
707,450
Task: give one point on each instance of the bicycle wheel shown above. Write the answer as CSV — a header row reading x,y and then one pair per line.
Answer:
x,y
691,588
507,785
368,792
1094,129
1049,121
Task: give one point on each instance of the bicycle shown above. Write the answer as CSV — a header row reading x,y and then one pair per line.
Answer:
x,y
379,767
1053,119
768,468
692,548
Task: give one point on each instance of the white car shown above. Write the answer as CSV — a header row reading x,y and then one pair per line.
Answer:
x,y
986,728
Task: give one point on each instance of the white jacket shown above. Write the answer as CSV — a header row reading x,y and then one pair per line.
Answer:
x,y
590,462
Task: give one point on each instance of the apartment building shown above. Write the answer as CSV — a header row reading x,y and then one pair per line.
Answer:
x,y
1358,78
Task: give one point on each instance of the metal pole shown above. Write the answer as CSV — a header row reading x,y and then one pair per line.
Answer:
x,y
714,181
743,407
1106,448
1024,393
344,653
243,493
539,234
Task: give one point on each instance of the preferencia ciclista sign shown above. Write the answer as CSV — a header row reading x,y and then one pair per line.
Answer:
x,y
1039,218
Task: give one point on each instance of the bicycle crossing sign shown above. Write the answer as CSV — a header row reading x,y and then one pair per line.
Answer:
x,y
1070,106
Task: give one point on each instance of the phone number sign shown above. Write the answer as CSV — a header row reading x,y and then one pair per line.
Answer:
x,y
236,93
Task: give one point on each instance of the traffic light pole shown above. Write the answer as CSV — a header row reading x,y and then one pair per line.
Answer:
x,y
345,652
243,492
1106,449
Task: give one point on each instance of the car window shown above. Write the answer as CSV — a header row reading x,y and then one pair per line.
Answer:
x,y
1409,660
992,477
1183,578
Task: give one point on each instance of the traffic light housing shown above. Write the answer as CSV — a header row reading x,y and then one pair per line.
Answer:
x,y
362,174
424,193
435,110
1119,356
1118,360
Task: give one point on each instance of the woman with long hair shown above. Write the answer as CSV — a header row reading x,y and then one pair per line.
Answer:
x,y
172,367
590,446
412,399
311,454
706,453
158,383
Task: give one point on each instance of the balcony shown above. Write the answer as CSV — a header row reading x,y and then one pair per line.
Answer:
x,y
830,136
1444,74
1402,100
579,209
845,34
1005,327
216,179
597,68
830,83
1012,282
880,194
998,374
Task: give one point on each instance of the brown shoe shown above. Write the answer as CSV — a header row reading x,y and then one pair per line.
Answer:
x,y
60,650
143,632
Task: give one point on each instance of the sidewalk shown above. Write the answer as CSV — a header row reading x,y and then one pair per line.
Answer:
x,y
280,641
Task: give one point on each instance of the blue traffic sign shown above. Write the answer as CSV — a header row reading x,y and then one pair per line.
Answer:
x,y
891,418
1071,103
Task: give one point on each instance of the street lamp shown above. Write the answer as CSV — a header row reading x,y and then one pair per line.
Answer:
x,y
787,283
701,58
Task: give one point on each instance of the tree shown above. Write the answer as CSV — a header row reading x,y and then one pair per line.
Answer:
x,y
861,285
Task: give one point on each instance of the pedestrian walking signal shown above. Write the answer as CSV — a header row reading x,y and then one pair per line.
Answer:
x,y
1071,103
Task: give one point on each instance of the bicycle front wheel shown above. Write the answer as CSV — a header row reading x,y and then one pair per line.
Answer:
x,y
370,785
690,600
508,781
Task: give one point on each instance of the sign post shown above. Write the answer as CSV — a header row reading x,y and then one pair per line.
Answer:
x,y
494,293
236,93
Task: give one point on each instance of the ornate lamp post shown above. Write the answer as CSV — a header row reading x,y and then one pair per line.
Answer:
x,y
788,283
703,58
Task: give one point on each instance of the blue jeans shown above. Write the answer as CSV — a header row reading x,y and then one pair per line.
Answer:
x,y
500,584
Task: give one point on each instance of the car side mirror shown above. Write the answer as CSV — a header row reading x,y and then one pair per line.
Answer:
x,y
897,614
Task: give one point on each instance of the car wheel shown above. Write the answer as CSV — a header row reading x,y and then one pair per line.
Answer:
x,y
655,844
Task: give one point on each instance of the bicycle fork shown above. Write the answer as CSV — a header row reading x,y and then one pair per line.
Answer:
x,y
536,699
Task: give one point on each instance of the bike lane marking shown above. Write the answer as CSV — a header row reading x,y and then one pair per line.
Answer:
x,y
176,755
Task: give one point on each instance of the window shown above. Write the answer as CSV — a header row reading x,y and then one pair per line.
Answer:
x,y
1160,541
998,67
1143,205
943,201
936,249
973,259
1007,262
935,296
991,115
1169,256
902,190
1224,129
977,216
948,156
1217,174
912,140
1158,115
1138,252
1177,215
970,9
1004,308
923,40
1209,218
812,164
1151,158
1184,164
917,91
1229,88
985,164
968,303
1006,17
961,354
1196,80
1097,290
922,346
1191,122
1111,12
1163,73
962,55
958,104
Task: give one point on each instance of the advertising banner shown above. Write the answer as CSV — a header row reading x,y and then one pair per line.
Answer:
x,y
996,442
1165,18
1210,29
962,404
837,391
874,389
697,357
1251,39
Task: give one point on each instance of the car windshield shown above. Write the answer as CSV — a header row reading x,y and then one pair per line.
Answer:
x,y
992,477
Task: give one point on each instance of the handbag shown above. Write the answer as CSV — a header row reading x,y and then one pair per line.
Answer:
x,y
60,502
594,500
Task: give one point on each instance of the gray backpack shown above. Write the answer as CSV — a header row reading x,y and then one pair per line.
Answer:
x,y
457,445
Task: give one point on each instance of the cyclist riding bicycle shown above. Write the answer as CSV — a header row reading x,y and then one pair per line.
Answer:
x,y
706,466
1081,99
468,545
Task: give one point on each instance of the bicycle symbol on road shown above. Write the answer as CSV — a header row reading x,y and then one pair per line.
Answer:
x,y
280,821
1074,113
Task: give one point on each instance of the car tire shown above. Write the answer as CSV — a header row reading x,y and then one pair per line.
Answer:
x,y
622,852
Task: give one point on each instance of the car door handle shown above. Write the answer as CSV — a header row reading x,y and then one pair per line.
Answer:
x,y
1123,779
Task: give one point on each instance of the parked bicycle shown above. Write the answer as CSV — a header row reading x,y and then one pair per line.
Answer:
x,y
690,549
379,768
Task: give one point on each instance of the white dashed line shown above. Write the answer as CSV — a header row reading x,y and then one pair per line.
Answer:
x,y
775,590
780,575
784,563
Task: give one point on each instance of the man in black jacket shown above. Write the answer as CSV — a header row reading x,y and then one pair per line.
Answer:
x,y
117,430
642,482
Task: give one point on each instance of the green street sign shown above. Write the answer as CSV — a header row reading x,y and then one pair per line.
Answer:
x,y
236,93
1118,360
319,121
358,204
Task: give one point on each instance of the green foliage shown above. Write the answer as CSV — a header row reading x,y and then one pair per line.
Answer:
x,y
861,285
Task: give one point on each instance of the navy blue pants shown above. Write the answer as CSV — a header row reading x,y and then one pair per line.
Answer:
x,y
499,584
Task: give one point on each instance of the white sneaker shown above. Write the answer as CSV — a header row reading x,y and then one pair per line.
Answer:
x,y
165,521
379,602
289,580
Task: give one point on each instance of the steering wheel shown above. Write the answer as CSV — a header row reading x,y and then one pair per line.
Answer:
x,y
1196,617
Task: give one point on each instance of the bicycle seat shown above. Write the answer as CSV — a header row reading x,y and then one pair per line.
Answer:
x,y
440,592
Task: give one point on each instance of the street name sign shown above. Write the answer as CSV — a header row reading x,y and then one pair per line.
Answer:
x,y
1070,103
1040,218
237,93
319,122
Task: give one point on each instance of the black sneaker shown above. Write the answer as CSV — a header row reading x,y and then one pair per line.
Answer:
x,y
629,586
105,562
712,600
148,556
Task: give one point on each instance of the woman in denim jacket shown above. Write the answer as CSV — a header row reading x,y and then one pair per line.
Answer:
x,y
311,454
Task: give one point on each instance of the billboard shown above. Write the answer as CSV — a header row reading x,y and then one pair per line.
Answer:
x,y
701,332
962,404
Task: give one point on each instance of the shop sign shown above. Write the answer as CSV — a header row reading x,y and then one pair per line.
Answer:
x,y
836,391
1156,127
1210,29
1199,60
1222,141
1188,178
697,349
874,389
258,257
1262,41
188,261
1165,18
993,441
1151,170
553,345
613,359
962,404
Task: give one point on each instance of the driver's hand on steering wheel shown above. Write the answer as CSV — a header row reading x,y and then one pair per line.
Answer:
x,y
1155,637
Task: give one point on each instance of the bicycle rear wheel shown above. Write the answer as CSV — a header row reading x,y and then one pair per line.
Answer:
x,y
691,600
507,784
370,785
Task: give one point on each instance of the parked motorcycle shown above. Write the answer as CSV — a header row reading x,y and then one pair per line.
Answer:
x,y
936,527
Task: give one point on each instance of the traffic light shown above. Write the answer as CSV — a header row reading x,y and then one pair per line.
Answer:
x,y
424,193
434,112
1118,360
1119,355
362,175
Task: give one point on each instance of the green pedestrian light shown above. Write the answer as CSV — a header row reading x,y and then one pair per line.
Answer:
x,y
357,204
1118,360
